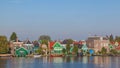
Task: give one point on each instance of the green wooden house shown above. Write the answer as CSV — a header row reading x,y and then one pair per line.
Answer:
x,y
29,46
21,52
57,48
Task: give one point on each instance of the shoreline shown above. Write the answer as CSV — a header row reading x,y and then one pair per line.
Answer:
x,y
5,55
10,55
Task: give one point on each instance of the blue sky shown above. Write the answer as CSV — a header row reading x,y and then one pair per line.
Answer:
x,y
76,19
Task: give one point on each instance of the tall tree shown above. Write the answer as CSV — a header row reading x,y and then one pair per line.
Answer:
x,y
117,38
68,41
44,39
3,45
13,36
68,48
75,49
111,38
103,51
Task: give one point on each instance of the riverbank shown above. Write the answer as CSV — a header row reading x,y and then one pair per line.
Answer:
x,y
5,55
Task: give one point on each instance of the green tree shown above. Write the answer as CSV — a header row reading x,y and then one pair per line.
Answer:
x,y
113,52
44,42
111,38
13,36
45,37
40,50
68,41
64,50
3,45
117,38
68,48
75,49
103,51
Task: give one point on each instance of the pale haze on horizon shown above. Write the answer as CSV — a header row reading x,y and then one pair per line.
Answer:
x,y
76,19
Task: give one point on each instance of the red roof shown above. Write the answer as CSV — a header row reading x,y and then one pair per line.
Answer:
x,y
118,47
76,43
51,44
112,42
119,43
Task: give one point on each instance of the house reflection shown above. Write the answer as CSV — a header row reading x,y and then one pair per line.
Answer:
x,y
102,60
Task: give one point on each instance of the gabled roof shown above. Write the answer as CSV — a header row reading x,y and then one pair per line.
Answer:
x,y
21,48
35,43
57,44
27,42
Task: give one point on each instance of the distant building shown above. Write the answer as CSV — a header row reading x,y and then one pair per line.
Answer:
x,y
55,48
29,46
36,46
15,45
96,43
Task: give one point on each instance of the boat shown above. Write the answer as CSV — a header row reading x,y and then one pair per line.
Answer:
x,y
37,56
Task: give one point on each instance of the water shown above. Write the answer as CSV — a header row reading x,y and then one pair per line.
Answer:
x,y
61,62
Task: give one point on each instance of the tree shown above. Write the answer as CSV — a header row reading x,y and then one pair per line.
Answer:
x,y
75,49
68,48
103,51
40,50
111,38
44,39
113,52
63,50
3,45
44,42
13,36
117,38
68,41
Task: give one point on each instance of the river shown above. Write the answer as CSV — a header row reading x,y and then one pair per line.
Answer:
x,y
61,62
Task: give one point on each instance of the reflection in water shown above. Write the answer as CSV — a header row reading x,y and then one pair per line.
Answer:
x,y
3,62
61,62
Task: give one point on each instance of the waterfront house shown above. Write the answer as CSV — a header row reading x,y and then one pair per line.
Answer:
x,y
56,49
29,46
16,44
97,43
21,52
36,46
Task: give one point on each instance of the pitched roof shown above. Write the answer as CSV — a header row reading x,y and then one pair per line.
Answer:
x,y
35,43
27,42
51,44
57,44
